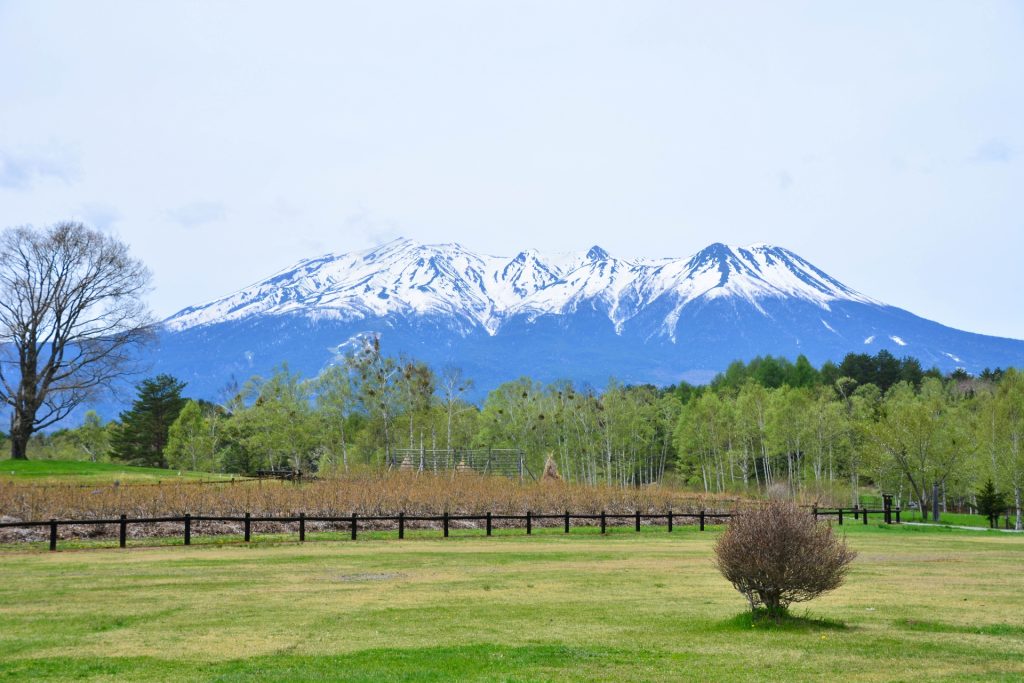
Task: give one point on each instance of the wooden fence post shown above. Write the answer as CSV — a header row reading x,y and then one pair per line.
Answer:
x,y
865,515
302,527
488,523
566,521
446,524
53,534
529,523
702,520
248,527
603,522
670,521
638,520
188,529
122,531
401,525
355,526
856,511
814,511
840,516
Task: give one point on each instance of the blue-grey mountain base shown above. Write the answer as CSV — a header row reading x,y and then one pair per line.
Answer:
x,y
585,317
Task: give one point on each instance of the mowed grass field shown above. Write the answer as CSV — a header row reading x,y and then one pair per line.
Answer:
x,y
921,604
75,472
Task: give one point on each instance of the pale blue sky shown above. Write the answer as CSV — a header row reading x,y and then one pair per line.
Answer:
x,y
883,141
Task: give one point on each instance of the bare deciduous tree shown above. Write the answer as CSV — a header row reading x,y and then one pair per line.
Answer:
x,y
778,554
71,321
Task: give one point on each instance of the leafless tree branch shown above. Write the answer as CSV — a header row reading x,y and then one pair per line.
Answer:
x,y
72,321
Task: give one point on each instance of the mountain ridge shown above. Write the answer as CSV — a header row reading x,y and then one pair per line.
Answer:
x,y
405,277
584,316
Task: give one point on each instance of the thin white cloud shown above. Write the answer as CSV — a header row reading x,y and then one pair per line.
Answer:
x,y
100,216
994,151
374,230
785,180
21,169
197,213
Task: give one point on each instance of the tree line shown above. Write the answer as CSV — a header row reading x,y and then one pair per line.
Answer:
x,y
765,425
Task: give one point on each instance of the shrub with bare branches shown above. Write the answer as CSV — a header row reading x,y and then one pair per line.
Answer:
x,y
777,554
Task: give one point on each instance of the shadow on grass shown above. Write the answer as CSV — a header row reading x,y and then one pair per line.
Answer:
x,y
476,662
790,622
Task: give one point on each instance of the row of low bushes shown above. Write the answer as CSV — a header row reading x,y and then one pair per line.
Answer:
x,y
381,493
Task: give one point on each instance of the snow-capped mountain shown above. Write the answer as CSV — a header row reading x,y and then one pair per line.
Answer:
x,y
406,278
584,316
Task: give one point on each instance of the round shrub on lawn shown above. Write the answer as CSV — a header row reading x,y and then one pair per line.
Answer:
x,y
776,554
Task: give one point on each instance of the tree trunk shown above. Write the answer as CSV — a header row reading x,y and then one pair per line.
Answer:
x,y
854,492
19,438
19,447
344,448
448,438
1019,525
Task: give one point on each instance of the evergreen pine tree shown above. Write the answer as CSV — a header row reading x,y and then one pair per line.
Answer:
x,y
142,436
990,501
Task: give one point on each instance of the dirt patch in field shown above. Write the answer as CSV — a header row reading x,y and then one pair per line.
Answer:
x,y
903,559
368,576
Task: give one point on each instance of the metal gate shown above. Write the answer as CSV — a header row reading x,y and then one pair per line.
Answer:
x,y
508,462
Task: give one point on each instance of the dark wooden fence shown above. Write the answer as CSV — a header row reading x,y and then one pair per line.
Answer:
x,y
604,519
890,515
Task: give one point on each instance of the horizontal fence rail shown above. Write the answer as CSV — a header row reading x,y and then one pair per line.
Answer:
x,y
890,515
699,519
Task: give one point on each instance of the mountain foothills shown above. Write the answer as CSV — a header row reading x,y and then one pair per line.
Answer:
x,y
584,316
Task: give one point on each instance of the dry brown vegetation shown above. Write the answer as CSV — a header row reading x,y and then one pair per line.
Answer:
x,y
363,494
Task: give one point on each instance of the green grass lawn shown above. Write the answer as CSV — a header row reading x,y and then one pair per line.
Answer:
x,y
920,604
72,472
955,518
912,515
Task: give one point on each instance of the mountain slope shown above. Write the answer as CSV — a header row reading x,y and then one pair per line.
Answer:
x,y
406,278
581,316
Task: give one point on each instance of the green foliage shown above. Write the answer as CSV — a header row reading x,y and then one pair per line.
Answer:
x,y
882,370
335,395
193,439
990,501
770,426
142,435
93,437
275,425
927,436
89,441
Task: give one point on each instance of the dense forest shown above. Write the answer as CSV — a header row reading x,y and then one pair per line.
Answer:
x,y
766,425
